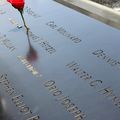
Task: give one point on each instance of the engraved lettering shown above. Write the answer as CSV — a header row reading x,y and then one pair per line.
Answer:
x,y
63,32
95,82
107,91
16,99
34,118
102,55
28,65
65,100
30,12
7,43
75,67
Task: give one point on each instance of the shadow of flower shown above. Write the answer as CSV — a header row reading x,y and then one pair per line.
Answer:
x,y
32,53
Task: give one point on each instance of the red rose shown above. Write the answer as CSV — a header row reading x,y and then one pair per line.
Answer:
x,y
18,4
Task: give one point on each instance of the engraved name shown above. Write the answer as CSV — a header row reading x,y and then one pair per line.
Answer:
x,y
103,56
17,99
30,12
75,67
29,67
65,100
42,42
6,42
96,84
63,32
110,94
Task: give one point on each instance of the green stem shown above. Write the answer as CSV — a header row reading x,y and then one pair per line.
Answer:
x,y
21,13
27,29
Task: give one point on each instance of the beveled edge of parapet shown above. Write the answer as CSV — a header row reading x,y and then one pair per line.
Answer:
x,y
94,10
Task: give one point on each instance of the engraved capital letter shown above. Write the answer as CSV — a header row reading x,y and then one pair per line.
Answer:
x,y
34,118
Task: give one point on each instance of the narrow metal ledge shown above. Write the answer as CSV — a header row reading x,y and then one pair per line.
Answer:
x,y
95,10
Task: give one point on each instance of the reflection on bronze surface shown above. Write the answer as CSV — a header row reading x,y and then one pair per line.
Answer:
x,y
32,54
3,110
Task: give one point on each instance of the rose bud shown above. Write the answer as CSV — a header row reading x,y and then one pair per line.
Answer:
x,y
18,4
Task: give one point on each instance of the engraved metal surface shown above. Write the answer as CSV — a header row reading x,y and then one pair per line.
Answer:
x,y
66,67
